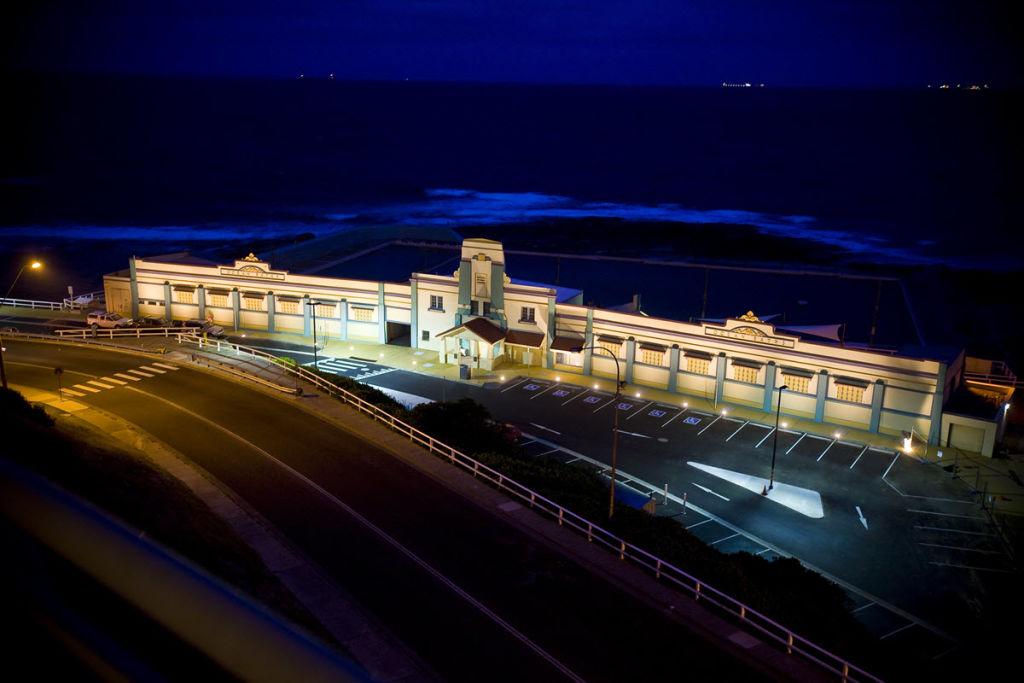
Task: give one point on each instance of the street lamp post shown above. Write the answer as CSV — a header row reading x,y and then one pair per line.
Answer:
x,y
313,305
615,424
775,441
34,265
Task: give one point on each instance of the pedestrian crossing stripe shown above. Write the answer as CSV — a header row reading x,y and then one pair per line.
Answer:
x,y
140,372
149,369
101,385
72,392
91,390
165,366
115,381
124,376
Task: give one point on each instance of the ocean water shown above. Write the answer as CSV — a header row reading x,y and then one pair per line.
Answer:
x,y
906,177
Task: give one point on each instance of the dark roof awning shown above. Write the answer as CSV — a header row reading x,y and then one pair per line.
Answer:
x,y
746,363
288,299
571,344
480,327
520,338
797,372
852,381
691,353
253,295
184,288
648,346
218,292
610,338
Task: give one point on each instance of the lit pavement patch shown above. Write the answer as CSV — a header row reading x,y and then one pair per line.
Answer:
x,y
804,501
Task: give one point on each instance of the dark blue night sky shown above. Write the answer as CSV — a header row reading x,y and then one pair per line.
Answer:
x,y
692,42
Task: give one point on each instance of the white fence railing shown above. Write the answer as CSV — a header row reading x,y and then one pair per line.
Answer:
x,y
661,569
115,332
32,303
78,341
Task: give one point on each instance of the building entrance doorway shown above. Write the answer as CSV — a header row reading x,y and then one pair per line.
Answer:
x,y
398,334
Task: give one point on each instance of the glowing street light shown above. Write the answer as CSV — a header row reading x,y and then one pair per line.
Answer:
x,y
775,441
34,265
615,425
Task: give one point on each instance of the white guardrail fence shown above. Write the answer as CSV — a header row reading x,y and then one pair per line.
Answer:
x,y
696,588
115,332
32,303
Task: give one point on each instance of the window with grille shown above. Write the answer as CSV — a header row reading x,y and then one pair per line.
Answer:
x,y
528,314
182,296
326,310
613,346
798,383
480,282
363,315
219,300
744,374
848,392
252,303
698,366
288,307
652,357
436,302
567,358
425,335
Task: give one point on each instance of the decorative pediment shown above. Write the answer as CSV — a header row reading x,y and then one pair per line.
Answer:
x,y
252,257
749,328
251,267
749,317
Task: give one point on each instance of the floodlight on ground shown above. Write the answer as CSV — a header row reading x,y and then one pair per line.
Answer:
x,y
558,378
501,379
837,436
784,425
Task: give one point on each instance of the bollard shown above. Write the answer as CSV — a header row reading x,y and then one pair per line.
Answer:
x,y
665,501
684,503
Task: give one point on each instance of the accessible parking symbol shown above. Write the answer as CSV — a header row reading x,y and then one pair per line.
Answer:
x,y
691,420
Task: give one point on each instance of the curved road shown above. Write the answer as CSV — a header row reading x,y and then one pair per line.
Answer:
x,y
474,597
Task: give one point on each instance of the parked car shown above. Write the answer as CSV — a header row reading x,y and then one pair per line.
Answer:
x,y
98,319
149,321
205,327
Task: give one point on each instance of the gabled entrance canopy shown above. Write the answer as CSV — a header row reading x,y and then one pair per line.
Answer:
x,y
480,329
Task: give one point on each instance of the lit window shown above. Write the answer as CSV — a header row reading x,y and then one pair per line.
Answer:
x,y
528,314
326,310
480,281
744,374
219,300
797,383
436,302
252,303
288,307
848,392
361,314
699,366
566,358
183,296
614,346
652,357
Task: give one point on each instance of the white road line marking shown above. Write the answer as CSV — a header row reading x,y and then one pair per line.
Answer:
x,y
546,429
829,446
762,552
901,628
85,388
611,401
115,381
863,451
978,569
770,432
390,540
101,385
576,396
553,450
958,547
738,429
140,372
72,392
513,386
527,443
894,459
570,461
945,514
151,369
796,442
165,366
128,377
952,531
723,539
861,516
863,607
709,425
674,417
640,411
705,489
541,392
642,436
705,521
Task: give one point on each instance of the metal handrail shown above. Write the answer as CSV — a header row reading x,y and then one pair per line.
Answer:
x,y
112,332
699,589
32,303
50,339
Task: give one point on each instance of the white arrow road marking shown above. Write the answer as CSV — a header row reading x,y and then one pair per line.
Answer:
x,y
546,429
705,489
623,431
861,515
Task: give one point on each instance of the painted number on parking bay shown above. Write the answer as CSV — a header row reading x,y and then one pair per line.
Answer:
x,y
533,387
692,420
655,413
561,393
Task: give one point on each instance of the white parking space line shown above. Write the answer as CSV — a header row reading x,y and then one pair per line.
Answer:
x,y
723,539
546,429
553,450
770,432
513,386
165,366
830,445
575,396
704,521
128,377
113,381
640,411
738,429
101,385
952,531
674,417
705,489
709,425
140,372
603,405
527,442
72,392
977,569
961,548
762,552
862,607
944,514
901,628
862,452
894,459
541,392
796,442
85,388
151,369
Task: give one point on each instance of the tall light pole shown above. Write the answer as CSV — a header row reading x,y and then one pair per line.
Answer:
x,y
313,304
34,265
775,441
615,424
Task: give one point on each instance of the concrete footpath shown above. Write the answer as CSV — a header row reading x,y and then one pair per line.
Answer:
x,y
366,640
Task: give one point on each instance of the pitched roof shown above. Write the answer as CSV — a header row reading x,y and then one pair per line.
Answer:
x,y
480,327
522,338
566,344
